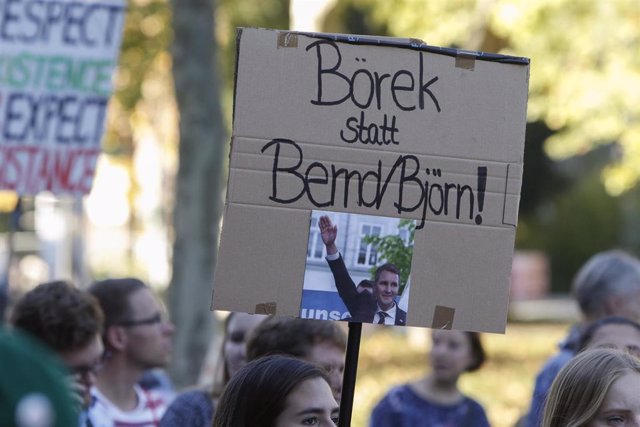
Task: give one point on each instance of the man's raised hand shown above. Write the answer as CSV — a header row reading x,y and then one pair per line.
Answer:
x,y
328,232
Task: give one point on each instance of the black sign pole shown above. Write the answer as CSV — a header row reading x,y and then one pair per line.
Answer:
x,y
350,371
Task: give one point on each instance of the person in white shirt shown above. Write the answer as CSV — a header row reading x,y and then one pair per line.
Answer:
x,y
137,337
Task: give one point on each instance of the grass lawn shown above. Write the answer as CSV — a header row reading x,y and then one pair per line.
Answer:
x,y
390,356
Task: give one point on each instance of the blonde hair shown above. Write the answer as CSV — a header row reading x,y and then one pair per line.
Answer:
x,y
582,385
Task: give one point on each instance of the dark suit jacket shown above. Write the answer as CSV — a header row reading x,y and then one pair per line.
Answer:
x,y
362,306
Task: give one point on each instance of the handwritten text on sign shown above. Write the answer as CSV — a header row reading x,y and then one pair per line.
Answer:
x,y
374,91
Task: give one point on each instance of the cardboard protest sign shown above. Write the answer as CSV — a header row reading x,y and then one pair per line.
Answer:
x,y
56,63
326,125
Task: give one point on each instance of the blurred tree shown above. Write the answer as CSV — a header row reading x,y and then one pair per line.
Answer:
x,y
233,14
199,86
145,42
585,220
199,185
541,178
204,89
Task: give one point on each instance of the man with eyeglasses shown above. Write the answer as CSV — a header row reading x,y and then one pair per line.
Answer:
x,y
137,338
69,321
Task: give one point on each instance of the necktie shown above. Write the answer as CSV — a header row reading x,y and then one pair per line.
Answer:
x,y
382,316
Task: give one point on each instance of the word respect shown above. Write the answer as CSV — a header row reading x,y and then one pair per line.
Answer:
x,y
319,183
71,23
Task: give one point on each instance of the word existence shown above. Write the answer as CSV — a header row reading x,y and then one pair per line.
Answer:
x,y
319,184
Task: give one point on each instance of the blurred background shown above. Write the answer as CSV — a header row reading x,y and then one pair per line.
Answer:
x,y
155,208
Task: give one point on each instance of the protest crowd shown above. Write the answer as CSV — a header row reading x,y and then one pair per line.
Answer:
x,y
94,356
97,354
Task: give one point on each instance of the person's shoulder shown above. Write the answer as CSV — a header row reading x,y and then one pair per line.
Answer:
x,y
97,398
101,412
153,397
477,410
393,400
400,395
554,363
193,398
190,408
397,391
473,403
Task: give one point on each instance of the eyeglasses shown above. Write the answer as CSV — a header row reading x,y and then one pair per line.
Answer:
x,y
83,370
156,318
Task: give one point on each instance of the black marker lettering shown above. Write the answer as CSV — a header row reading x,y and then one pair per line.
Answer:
x,y
320,186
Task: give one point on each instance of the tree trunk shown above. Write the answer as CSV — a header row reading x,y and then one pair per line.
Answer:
x,y
199,184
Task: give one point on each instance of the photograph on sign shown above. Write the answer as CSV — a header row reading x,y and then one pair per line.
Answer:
x,y
330,124
357,268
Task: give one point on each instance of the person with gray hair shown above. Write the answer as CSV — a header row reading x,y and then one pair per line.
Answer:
x,y
608,284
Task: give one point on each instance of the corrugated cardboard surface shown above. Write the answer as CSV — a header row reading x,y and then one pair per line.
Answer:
x,y
288,157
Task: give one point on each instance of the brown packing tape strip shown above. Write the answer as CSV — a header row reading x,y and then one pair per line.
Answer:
x,y
266,308
466,60
443,317
286,39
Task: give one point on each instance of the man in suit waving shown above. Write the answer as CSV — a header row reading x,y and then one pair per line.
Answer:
x,y
378,306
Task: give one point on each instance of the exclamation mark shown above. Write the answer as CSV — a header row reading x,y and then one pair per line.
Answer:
x,y
482,184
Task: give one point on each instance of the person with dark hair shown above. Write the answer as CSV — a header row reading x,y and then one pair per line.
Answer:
x,y
436,400
365,286
378,306
612,332
137,337
597,388
68,321
320,342
277,391
195,408
608,284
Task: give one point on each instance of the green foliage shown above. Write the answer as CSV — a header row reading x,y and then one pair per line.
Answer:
x,y
585,66
394,250
147,35
585,220
4,222
144,57
234,14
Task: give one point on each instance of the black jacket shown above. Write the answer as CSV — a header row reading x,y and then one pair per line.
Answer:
x,y
362,306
